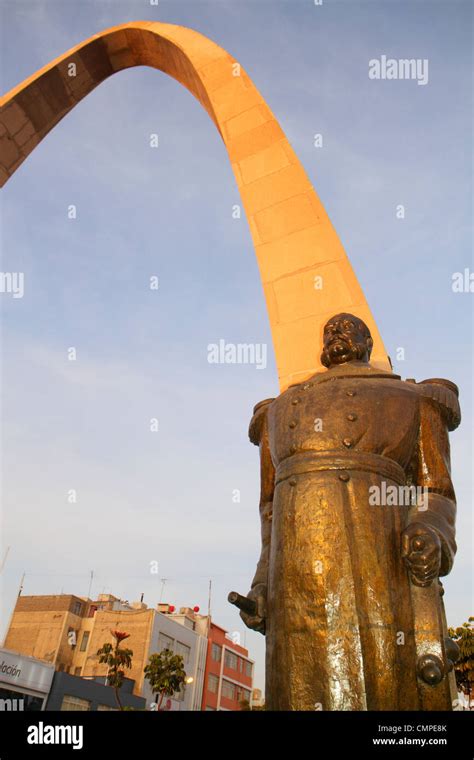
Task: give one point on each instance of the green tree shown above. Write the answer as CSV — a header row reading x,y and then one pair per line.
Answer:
x,y
464,667
165,673
116,659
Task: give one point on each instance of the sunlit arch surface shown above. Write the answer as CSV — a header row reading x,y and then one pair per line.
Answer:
x,y
293,237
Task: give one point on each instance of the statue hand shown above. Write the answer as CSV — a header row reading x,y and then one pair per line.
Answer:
x,y
421,550
258,594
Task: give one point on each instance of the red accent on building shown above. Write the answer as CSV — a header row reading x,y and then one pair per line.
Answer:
x,y
228,676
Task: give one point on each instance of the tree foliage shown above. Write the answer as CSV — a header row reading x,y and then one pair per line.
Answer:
x,y
464,667
165,673
116,659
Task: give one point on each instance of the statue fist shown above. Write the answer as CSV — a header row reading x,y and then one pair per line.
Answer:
x,y
257,594
421,550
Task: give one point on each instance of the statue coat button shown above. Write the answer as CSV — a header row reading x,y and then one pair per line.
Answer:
x,y
295,401
292,424
344,476
292,481
347,442
352,417
350,393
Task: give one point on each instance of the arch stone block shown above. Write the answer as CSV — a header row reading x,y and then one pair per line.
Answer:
x,y
293,237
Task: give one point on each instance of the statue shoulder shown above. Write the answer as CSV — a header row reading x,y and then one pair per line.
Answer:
x,y
256,423
445,394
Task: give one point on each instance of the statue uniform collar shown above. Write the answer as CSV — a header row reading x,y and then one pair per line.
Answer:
x,y
349,369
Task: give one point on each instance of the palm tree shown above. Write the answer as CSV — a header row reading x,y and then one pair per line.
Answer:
x,y
117,659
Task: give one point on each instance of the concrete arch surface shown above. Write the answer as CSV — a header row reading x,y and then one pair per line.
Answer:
x,y
293,237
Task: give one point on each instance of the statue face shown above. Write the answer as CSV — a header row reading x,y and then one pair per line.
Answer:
x,y
346,339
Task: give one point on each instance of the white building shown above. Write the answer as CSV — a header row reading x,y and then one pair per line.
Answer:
x,y
181,638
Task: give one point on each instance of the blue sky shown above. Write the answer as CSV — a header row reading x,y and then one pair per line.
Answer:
x,y
84,425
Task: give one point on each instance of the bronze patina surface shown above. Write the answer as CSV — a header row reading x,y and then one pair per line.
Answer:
x,y
346,589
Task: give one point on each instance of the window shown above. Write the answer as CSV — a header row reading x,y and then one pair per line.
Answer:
x,y
248,668
212,683
74,703
228,689
230,660
184,651
85,641
243,694
77,671
107,707
165,642
216,652
76,608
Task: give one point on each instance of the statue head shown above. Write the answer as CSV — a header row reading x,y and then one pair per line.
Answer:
x,y
346,338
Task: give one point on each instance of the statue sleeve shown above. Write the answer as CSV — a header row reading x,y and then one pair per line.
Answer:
x,y
258,434
438,409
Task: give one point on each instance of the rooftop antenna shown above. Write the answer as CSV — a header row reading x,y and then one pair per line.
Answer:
x,y
163,581
20,589
209,608
90,585
4,559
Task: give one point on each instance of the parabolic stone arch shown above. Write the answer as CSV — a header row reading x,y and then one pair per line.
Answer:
x,y
294,240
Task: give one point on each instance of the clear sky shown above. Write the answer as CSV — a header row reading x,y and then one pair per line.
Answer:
x,y
167,496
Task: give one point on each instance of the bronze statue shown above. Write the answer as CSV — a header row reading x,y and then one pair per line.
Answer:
x,y
358,521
